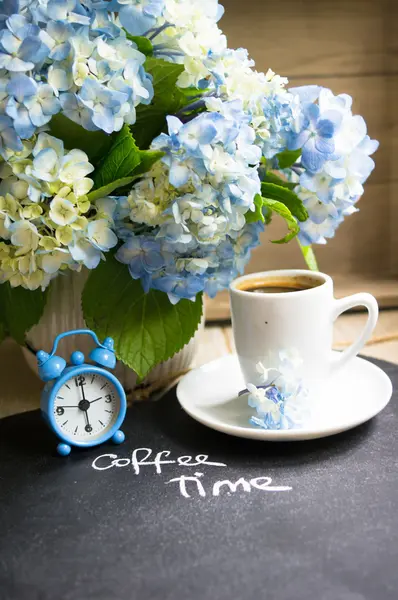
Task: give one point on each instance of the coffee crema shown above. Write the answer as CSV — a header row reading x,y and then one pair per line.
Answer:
x,y
278,286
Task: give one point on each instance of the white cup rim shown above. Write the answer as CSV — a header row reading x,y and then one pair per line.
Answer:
x,y
326,279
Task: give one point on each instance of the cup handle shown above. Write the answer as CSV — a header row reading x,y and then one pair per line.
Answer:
x,y
340,306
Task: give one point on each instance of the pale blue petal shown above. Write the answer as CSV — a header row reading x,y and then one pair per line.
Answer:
x,y
5,60
83,252
306,93
51,106
16,65
311,159
23,125
179,175
173,124
9,42
105,120
335,117
312,113
297,141
11,140
323,145
21,86
153,261
61,51
368,146
32,49
37,117
59,31
135,21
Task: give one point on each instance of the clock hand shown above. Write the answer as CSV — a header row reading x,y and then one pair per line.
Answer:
x,y
86,419
67,406
96,400
84,397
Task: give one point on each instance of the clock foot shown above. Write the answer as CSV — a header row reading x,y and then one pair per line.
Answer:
x,y
119,437
63,449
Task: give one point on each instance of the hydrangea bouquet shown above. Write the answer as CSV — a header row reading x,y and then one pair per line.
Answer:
x,y
137,145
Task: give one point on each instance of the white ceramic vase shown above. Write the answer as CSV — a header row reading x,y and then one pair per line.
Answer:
x,y
63,312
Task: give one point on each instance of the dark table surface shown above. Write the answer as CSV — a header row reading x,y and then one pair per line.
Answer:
x,y
307,520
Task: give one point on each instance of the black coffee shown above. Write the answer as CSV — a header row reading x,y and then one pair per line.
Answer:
x,y
278,286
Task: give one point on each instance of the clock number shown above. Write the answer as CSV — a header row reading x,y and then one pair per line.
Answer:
x,y
108,398
80,380
60,410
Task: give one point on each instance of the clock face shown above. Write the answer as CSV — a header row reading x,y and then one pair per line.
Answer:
x,y
86,407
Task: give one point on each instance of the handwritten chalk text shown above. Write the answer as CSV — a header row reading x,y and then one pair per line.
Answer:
x,y
140,458
259,483
192,486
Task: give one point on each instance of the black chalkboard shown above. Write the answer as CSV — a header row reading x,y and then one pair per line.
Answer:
x,y
69,531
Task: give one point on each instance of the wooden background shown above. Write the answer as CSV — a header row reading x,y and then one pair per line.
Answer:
x,y
349,46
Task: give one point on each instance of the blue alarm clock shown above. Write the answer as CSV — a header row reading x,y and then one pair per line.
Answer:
x,y
83,404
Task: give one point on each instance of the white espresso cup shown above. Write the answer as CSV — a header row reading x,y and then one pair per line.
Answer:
x,y
270,326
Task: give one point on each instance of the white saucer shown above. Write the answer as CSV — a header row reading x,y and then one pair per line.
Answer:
x,y
209,394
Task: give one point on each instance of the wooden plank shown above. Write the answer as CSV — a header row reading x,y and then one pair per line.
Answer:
x,y
214,343
385,290
312,37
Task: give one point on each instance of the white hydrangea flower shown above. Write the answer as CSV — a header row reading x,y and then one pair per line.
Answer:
x,y
46,216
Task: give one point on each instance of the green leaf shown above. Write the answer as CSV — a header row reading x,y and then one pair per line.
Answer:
x,y
95,144
143,44
106,190
168,99
20,309
147,328
287,197
121,160
124,160
287,158
309,257
256,215
147,159
284,212
274,178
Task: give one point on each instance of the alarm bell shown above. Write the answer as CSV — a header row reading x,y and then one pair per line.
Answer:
x,y
49,368
104,356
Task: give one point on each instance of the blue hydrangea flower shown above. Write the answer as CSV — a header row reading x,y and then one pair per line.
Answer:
x,y
105,104
316,137
194,202
77,61
77,111
56,36
269,405
67,11
42,105
179,286
335,160
144,258
21,88
20,45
